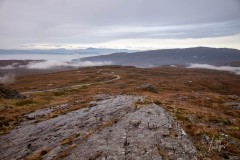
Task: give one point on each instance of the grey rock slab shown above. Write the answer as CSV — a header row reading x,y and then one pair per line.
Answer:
x,y
30,137
144,133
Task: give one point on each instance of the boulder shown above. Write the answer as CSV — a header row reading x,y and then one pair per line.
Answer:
x,y
9,93
149,87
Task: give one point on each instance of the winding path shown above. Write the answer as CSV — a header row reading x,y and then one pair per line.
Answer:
x,y
116,77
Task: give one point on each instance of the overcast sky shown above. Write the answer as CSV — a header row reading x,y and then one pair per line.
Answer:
x,y
132,24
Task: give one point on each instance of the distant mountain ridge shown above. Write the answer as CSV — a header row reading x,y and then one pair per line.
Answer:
x,y
65,51
154,58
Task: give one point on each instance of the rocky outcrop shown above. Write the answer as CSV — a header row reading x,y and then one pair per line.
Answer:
x,y
149,87
113,127
9,93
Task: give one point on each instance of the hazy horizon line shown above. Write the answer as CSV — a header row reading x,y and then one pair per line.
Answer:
x,y
109,48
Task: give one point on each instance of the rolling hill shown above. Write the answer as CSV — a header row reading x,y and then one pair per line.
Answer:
x,y
153,58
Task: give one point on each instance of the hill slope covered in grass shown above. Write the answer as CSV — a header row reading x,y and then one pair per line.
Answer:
x,y
204,102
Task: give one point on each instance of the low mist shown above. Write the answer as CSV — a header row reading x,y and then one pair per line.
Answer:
x,y
7,79
49,64
52,64
231,69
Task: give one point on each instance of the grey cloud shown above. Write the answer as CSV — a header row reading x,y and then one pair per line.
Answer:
x,y
74,21
56,12
175,32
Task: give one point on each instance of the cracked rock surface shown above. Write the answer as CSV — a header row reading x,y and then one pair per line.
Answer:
x,y
112,128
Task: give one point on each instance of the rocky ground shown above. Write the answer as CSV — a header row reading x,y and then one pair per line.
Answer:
x,y
114,127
